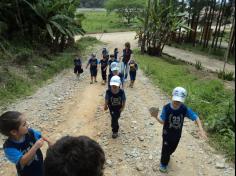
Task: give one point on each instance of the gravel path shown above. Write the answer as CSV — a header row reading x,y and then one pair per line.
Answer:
x,y
71,106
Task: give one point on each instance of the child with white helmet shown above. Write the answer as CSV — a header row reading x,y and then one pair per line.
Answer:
x,y
115,70
115,100
172,118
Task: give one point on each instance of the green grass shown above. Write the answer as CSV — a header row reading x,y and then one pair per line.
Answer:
x,y
218,54
96,22
207,96
18,81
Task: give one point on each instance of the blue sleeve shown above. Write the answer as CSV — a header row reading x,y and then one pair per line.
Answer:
x,y
163,115
191,115
37,134
13,155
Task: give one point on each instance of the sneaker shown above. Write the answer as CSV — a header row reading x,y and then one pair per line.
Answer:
x,y
163,168
114,135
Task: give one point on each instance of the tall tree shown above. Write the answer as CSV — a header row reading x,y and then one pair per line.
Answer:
x,y
128,9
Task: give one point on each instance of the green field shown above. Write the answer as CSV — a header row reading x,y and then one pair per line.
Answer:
x,y
96,22
207,96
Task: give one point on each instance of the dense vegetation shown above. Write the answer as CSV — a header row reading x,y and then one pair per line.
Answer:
x,y
51,23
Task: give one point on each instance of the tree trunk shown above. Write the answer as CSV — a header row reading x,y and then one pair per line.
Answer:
x,y
221,18
195,30
203,28
145,28
217,24
19,18
222,36
210,22
230,42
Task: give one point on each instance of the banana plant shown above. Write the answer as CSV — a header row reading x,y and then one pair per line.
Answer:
x,y
163,19
59,22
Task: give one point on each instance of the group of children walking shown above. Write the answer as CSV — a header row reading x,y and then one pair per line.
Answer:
x,y
77,155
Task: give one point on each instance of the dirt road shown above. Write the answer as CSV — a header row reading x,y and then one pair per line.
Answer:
x,y
68,106
208,63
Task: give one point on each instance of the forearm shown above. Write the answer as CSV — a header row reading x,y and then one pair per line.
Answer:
x,y
199,124
27,157
160,121
106,105
123,106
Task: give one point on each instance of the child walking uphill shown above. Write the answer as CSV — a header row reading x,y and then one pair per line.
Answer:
x,y
93,62
116,52
133,67
23,144
78,66
111,60
115,72
172,118
104,64
127,55
115,100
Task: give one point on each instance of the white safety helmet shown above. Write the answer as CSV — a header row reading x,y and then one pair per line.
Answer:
x,y
115,81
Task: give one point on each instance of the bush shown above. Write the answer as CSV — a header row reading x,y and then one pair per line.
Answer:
x,y
23,57
198,65
229,76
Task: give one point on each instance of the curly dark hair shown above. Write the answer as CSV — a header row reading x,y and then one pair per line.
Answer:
x,y
10,120
74,156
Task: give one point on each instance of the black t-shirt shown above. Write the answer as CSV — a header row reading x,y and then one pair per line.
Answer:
x,y
103,63
93,63
115,101
126,55
77,62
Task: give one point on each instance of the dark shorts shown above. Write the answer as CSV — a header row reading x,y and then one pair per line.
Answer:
x,y
78,69
93,71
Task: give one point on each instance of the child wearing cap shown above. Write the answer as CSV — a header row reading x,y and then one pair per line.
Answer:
x,y
115,100
111,60
133,67
104,64
115,71
93,62
172,118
